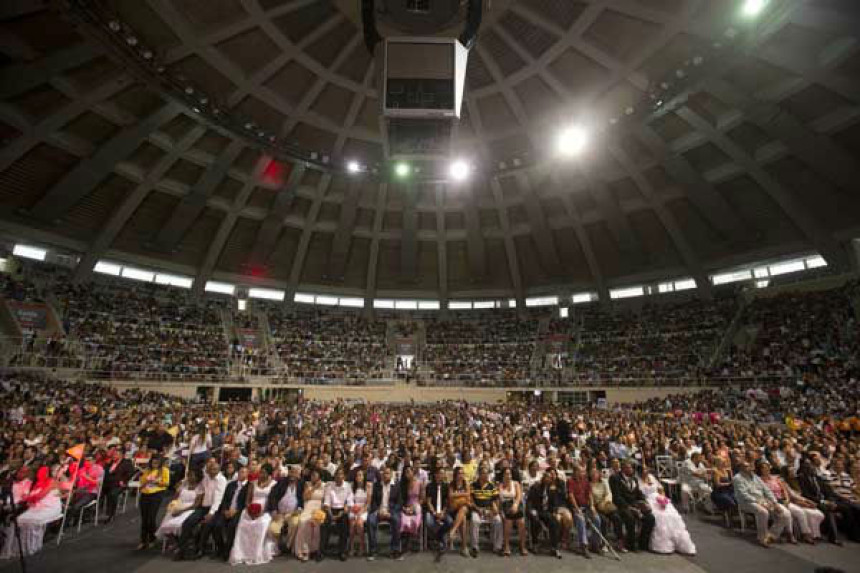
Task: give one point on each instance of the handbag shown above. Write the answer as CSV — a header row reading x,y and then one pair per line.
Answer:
x,y
606,507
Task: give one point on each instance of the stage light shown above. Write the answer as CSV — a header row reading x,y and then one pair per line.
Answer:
x,y
459,170
753,8
353,167
402,169
572,140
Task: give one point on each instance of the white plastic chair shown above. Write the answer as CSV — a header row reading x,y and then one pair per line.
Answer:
x,y
93,504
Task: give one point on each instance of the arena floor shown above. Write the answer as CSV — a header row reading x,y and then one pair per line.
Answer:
x,y
110,549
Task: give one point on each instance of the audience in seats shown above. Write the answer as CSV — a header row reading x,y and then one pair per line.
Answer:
x,y
284,477
318,346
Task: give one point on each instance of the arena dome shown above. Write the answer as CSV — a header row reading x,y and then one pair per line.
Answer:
x,y
240,141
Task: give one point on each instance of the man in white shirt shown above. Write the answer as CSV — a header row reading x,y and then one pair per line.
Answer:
x,y
338,499
696,482
213,484
223,525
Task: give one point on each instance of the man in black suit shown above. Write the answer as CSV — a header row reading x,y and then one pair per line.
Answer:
x,y
544,500
437,520
118,472
632,507
222,527
384,507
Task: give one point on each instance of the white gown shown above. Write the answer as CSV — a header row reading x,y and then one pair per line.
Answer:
x,y
253,544
172,524
32,523
670,532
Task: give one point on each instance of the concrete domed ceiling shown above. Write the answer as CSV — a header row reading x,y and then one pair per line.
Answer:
x,y
209,137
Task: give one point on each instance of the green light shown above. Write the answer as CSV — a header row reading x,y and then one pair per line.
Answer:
x,y
402,169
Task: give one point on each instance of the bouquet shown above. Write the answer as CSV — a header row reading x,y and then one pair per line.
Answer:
x,y
662,501
255,510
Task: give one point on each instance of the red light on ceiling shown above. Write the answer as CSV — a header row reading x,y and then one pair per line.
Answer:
x,y
256,270
273,173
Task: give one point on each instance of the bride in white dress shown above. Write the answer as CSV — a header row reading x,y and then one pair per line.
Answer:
x,y
253,545
43,507
670,532
182,506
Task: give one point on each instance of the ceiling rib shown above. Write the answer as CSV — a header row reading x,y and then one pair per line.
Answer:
x,y
409,234
581,236
307,232
270,229
227,224
89,172
190,207
667,219
510,248
817,236
33,134
710,204
615,217
120,216
539,227
19,78
475,246
818,151
343,236
373,258
441,242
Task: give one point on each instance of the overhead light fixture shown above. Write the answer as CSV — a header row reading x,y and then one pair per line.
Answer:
x,y
459,170
353,167
753,8
402,169
572,140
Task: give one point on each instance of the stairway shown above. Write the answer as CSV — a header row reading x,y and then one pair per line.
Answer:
x,y
734,326
276,365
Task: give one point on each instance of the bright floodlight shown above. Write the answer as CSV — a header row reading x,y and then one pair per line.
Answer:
x,y
353,167
572,140
753,8
401,169
459,170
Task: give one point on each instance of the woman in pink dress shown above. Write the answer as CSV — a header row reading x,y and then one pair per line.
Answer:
x,y
410,516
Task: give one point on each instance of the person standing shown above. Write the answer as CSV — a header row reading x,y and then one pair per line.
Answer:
x,y
118,471
153,484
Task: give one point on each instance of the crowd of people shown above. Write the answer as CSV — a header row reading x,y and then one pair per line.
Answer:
x,y
319,346
120,328
794,333
144,330
259,480
495,347
655,343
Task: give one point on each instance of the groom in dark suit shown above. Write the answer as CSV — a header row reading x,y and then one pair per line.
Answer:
x,y
632,507
222,527
385,507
